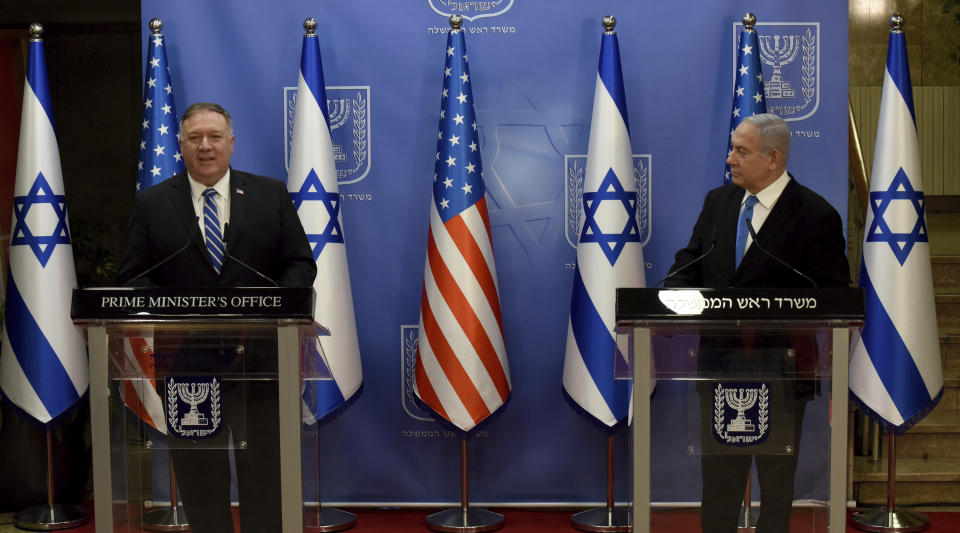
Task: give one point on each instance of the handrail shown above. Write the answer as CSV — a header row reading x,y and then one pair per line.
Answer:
x,y
860,179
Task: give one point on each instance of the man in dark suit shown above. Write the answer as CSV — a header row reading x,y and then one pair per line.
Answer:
x,y
801,228
208,221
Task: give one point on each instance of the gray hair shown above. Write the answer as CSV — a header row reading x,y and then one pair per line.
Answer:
x,y
207,106
772,131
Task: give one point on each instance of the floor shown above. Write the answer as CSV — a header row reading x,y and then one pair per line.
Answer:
x,y
550,521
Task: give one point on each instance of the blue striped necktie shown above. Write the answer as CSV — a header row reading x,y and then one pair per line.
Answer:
x,y
211,229
742,230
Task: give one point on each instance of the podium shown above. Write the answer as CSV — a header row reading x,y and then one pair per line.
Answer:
x,y
767,347
230,327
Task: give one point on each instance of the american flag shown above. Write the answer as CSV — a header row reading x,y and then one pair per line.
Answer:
x,y
895,370
159,159
160,129
462,371
748,96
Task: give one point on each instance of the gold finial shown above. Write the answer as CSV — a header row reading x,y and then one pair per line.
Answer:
x,y
455,22
35,31
156,25
609,23
749,21
896,23
310,25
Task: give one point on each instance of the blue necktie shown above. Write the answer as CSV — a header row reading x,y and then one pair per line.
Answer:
x,y
211,229
742,230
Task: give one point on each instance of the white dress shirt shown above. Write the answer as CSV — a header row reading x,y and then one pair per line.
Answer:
x,y
765,201
222,199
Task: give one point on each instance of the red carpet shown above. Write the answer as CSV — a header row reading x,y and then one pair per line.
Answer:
x,y
540,521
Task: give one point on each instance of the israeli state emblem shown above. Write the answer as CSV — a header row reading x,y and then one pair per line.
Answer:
x,y
790,59
741,413
574,176
193,406
348,108
470,10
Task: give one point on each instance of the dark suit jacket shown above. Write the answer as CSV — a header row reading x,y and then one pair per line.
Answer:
x,y
802,229
264,232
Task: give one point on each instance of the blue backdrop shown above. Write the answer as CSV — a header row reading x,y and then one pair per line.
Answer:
x,y
533,68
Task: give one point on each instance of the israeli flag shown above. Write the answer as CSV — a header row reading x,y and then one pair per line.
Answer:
x,y
312,182
609,253
43,364
895,371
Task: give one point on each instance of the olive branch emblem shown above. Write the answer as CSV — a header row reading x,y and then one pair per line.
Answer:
x,y
808,67
359,129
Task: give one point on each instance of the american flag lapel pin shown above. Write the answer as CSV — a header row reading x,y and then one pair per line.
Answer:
x,y
240,191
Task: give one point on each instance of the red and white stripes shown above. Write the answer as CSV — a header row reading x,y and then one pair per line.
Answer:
x,y
462,371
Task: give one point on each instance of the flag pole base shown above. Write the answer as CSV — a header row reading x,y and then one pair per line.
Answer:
x,y
885,519
327,519
602,519
51,517
165,519
469,520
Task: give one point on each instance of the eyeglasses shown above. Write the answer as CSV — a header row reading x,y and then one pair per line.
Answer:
x,y
197,139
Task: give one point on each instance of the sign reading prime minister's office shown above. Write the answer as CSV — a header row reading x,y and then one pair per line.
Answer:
x,y
250,302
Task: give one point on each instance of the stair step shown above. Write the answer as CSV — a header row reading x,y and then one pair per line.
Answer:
x,y
938,421
950,399
909,493
940,469
951,377
937,435
948,309
950,348
946,271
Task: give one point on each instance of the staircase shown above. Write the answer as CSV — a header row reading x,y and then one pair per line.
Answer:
x,y
928,455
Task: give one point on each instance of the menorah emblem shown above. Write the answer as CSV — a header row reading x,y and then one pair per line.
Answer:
x,y
193,394
779,51
339,111
741,400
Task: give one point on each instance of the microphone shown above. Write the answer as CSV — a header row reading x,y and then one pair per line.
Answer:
x,y
195,227
713,243
753,235
228,255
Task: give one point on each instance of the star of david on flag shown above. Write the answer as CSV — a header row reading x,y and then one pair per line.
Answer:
x,y
43,362
901,243
895,370
312,182
748,96
42,244
609,254
461,371
312,190
610,191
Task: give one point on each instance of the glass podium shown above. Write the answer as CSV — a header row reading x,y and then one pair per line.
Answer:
x,y
199,370
727,378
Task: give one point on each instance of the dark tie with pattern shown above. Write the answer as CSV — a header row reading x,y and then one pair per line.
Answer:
x,y
211,229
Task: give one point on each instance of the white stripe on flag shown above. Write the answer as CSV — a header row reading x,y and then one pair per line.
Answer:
x,y
312,151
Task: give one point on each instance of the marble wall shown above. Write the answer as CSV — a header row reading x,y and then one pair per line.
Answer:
x,y
933,35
